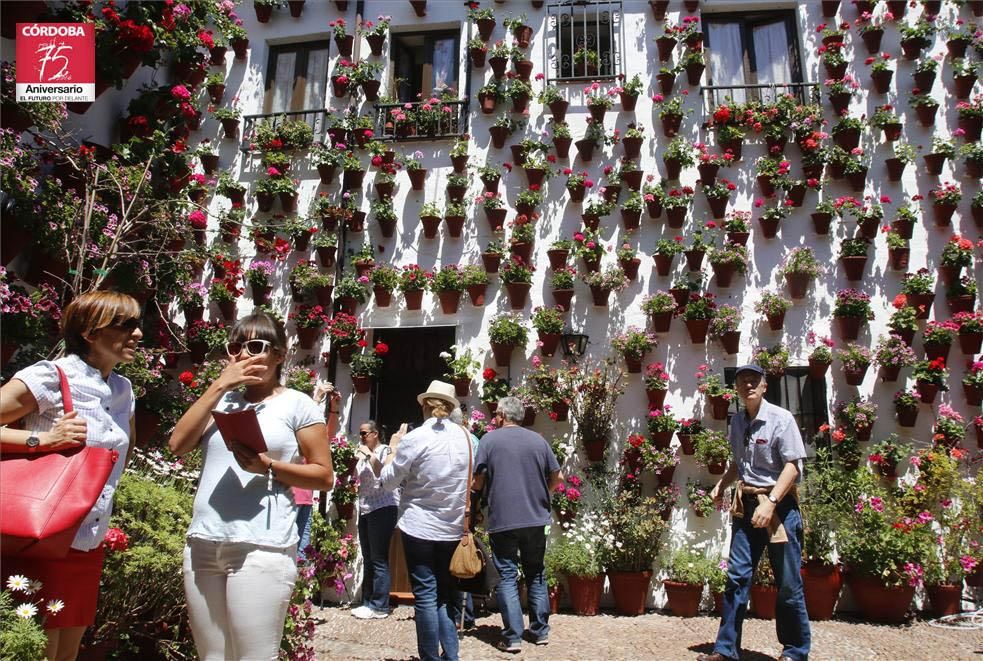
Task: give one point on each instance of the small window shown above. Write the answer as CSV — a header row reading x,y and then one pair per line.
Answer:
x,y
583,40
752,49
297,78
796,392
425,64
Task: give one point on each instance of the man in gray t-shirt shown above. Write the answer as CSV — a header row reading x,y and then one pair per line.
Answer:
x,y
519,471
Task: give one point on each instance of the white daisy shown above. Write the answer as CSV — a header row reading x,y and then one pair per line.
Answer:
x,y
18,583
26,611
55,606
35,587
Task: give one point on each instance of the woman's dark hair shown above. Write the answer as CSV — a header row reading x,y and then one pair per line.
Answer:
x,y
93,311
261,325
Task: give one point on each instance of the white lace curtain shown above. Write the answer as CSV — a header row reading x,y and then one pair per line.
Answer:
x,y
726,59
771,56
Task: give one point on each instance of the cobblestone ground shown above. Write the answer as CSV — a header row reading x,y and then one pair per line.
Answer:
x,y
651,636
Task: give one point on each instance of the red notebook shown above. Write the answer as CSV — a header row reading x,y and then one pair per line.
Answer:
x,y
240,427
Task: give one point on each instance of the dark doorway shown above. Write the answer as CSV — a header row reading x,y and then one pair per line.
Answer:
x,y
412,363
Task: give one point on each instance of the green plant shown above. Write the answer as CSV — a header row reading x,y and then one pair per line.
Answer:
x,y
369,362
636,529
413,278
772,304
726,320
633,342
773,360
576,551
508,329
548,320
659,302
712,447
686,566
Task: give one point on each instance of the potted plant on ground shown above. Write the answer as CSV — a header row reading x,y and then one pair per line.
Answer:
x,y
576,555
884,561
686,573
636,530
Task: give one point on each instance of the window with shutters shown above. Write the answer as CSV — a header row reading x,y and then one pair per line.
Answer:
x,y
297,78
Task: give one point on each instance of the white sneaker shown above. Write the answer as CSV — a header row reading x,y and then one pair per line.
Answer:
x,y
366,613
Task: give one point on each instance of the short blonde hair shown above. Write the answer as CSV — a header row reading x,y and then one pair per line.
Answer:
x,y
438,407
93,311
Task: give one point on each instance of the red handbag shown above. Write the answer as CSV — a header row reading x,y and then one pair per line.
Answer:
x,y
45,497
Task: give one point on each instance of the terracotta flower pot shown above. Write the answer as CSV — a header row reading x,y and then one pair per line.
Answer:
x,y
449,301
585,593
502,353
630,591
518,293
877,602
822,584
477,294
763,600
562,298
731,342
969,343
854,267
683,599
697,329
849,327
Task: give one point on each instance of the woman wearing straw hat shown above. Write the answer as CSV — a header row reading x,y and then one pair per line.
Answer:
x,y
431,464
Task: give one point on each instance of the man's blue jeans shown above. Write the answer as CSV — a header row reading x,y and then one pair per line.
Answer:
x,y
746,546
510,548
435,593
374,532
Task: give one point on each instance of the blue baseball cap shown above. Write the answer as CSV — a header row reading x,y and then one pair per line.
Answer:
x,y
750,368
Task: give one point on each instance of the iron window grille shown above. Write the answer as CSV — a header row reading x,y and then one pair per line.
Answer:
x,y
316,119
593,28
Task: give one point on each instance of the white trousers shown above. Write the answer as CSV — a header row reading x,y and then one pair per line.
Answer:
x,y
237,598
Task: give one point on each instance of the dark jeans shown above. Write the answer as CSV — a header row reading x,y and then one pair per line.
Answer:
x,y
510,548
374,532
746,546
435,592
303,529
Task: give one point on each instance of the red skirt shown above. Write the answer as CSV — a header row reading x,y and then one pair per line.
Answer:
x,y
73,579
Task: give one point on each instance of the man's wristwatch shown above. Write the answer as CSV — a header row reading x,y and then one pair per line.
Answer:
x,y
33,442
774,501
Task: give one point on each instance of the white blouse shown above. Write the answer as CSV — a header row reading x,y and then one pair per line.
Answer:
x,y
106,405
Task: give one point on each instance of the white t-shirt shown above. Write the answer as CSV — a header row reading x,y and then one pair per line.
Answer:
x,y
233,505
106,405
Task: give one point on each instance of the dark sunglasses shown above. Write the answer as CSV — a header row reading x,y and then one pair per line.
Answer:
x,y
128,325
252,347
363,434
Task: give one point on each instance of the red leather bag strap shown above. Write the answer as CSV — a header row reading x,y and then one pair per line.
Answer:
x,y
66,393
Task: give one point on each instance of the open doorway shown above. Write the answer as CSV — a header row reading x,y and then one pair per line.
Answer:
x,y
412,363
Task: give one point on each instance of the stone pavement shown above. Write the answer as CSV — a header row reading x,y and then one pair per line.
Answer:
x,y
652,636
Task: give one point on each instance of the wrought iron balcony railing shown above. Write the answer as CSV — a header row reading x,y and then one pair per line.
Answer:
x,y
714,95
409,121
316,119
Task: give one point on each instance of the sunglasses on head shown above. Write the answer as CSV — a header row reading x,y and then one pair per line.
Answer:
x,y
252,347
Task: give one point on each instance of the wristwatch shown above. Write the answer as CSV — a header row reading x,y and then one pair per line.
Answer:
x,y
774,501
33,442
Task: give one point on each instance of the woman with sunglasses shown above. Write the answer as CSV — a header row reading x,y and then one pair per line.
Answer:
x,y
101,329
377,509
239,558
